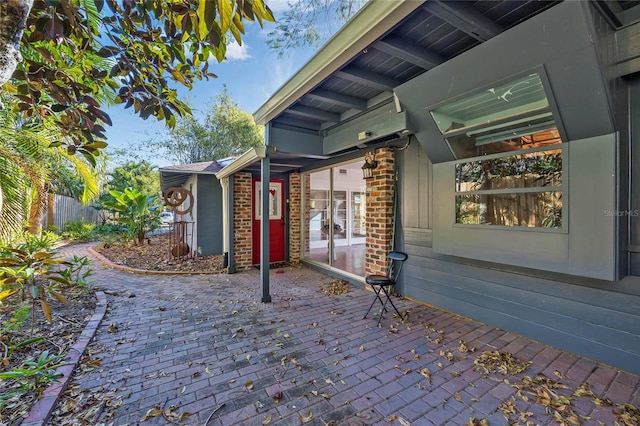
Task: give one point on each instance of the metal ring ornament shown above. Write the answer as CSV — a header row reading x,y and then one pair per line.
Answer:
x,y
175,197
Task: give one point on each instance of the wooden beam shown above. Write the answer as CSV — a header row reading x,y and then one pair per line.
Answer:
x,y
368,78
465,18
337,99
290,121
318,114
424,58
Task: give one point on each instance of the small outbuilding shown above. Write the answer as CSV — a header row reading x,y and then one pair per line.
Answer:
x,y
203,219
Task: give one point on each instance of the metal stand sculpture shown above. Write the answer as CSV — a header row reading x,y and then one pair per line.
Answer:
x,y
181,233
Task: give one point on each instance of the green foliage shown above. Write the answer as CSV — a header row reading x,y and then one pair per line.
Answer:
x,y
81,55
79,230
33,375
139,175
15,322
31,168
78,270
137,211
45,240
225,131
31,271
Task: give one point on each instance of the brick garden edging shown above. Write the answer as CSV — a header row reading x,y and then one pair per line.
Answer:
x,y
42,409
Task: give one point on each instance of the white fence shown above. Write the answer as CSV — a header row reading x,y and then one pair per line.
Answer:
x,y
61,209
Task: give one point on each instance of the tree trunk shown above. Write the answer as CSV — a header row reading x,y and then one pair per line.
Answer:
x,y
13,20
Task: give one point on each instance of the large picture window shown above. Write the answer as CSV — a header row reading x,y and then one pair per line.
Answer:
x,y
510,168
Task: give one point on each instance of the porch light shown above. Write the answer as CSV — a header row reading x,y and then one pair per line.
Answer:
x,y
368,166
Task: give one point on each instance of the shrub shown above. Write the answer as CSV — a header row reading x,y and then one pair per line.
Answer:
x,y
79,231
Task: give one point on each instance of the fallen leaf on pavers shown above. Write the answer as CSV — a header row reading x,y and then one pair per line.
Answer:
x,y
307,419
392,418
464,348
477,422
426,373
404,422
249,384
628,414
335,287
502,362
267,420
277,397
156,375
153,412
113,328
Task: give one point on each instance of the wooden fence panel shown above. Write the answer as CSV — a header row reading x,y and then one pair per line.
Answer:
x,y
61,209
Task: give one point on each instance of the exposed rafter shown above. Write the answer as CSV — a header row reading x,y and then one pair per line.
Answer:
x,y
394,46
290,121
315,113
337,99
465,18
367,78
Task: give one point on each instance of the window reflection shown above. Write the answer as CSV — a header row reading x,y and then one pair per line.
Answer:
x,y
529,209
507,117
515,175
532,170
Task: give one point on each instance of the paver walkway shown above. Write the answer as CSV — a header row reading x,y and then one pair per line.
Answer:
x,y
205,343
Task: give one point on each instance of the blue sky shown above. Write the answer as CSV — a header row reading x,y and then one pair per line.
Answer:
x,y
252,73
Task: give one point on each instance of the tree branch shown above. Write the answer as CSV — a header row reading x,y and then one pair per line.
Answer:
x,y
13,20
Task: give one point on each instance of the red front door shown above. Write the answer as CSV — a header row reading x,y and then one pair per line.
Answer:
x,y
276,220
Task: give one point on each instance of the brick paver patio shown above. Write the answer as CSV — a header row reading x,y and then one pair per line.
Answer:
x,y
205,345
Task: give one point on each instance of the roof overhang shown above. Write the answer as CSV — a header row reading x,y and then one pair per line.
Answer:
x,y
369,24
246,159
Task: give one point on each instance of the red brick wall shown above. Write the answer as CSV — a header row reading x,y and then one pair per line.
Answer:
x,y
295,216
379,220
242,215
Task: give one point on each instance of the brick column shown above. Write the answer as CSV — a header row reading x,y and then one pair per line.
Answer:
x,y
295,216
379,219
242,215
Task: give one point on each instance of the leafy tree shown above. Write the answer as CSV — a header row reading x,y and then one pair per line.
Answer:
x,y
225,131
139,175
311,22
137,211
29,164
63,60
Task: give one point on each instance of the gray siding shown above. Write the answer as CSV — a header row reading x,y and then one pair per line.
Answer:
x,y
593,318
209,215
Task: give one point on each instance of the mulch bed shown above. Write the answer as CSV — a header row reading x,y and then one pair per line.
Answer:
x,y
156,255
68,321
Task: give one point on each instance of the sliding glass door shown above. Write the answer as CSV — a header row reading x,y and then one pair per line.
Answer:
x,y
336,217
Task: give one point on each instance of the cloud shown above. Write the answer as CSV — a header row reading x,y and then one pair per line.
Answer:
x,y
278,5
280,70
237,52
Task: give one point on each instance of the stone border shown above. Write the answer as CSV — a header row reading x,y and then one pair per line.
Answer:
x,y
42,409
130,270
